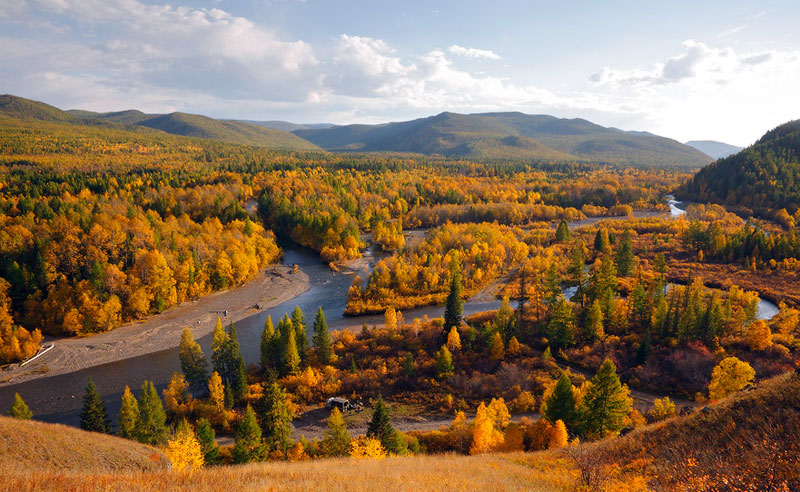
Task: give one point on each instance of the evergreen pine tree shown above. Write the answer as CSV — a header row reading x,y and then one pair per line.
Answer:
x,y
300,336
322,339
128,415
454,305
151,427
444,363
19,409
238,375
291,357
193,361
576,270
560,405
247,442
606,402
94,417
562,232
336,441
381,428
552,287
593,325
602,243
625,257
206,437
409,365
267,340
275,418
561,327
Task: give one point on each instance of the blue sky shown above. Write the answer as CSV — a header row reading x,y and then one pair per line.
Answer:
x,y
727,71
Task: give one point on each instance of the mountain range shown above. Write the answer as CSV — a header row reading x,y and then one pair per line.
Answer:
x,y
717,150
508,135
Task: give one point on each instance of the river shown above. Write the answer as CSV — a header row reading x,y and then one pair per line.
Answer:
x,y
59,398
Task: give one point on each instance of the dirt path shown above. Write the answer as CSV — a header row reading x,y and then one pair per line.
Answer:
x,y
271,287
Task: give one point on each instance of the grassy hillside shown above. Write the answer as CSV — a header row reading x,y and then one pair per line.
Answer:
x,y
510,135
33,447
764,177
190,125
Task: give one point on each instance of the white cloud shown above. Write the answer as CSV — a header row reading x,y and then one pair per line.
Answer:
x,y
473,52
709,92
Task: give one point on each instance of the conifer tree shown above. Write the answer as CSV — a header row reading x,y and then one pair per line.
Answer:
x,y
454,305
238,378
606,402
561,327
300,336
193,361
381,428
602,243
128,415
322,339
561,404
218,336
625,257
268,336
552,287
562,232
593,326
247,442
151,427
291,356
206,437
504,320
275,418
497,349
336,441
409,365
576,269
19,409
454,340
94,416
558,436
444,363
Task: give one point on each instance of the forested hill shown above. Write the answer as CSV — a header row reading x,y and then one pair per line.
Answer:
x,y
190,125
764,177
510,135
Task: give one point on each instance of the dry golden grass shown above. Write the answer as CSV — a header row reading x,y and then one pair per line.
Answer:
x,y
33,447
508,472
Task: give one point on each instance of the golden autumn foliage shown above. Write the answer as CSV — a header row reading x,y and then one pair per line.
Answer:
x,y
184,451
728,377
558,435
367,447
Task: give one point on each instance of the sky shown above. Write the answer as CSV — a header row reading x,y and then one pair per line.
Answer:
x,y
689,70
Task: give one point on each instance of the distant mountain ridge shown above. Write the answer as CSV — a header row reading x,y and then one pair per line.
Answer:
x,y
505,135
764,177
715,149
190,125
509,135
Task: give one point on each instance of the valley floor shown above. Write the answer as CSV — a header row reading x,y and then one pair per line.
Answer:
x,y
271,287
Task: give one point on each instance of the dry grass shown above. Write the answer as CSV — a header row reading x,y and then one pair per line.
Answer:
x,y
441,473
33,447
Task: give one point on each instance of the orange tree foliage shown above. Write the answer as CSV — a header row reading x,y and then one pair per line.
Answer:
x,y
420,276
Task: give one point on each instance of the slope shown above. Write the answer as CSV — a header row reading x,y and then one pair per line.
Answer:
x,y
192,125
509,135
764,177
716,150
35,446
748,439
27,109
